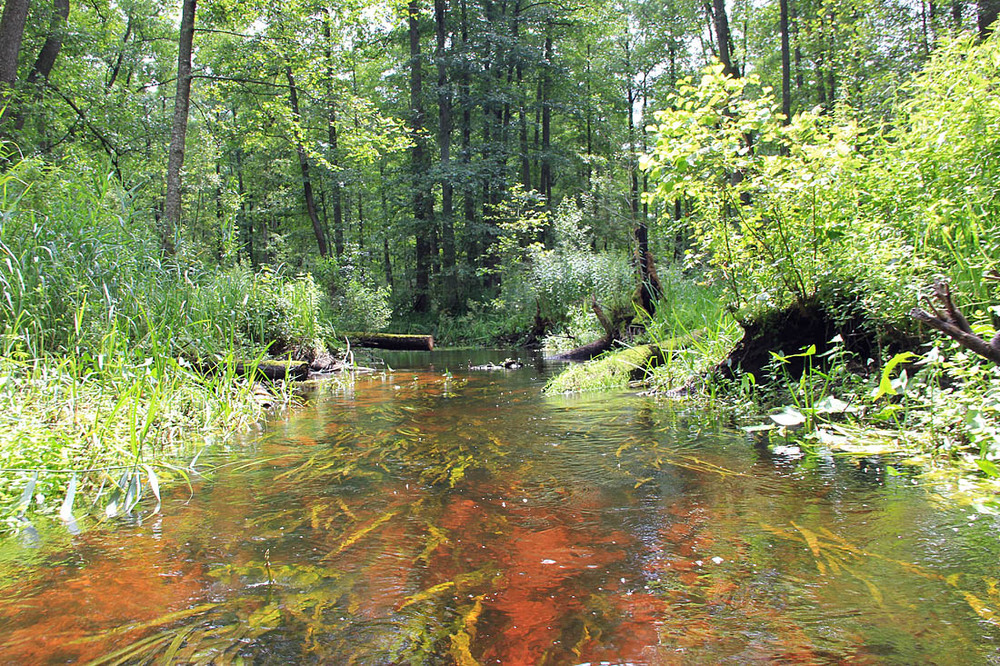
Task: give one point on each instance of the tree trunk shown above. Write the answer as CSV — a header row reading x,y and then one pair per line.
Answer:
x,y
335,194
113,76
47,56
986,16
545,170
307,188
15,13
786,64
720,21
588,122
53,42
793,15
449,274
178,133
420,163
468,181
392,341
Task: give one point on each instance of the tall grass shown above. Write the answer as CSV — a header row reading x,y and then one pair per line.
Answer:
x,y
690,326
99,337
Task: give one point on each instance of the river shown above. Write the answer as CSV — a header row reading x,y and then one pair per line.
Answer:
x,y
441,515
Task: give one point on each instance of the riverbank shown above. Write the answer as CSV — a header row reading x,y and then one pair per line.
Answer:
x,y
933,405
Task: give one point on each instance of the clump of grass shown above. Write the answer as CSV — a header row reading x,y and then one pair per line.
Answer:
x,y
101,336
62,420
690,333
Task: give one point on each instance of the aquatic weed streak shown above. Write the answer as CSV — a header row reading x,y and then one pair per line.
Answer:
x,y
431,517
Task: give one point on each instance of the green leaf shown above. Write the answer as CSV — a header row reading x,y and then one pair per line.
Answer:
x,y
988,467
885,386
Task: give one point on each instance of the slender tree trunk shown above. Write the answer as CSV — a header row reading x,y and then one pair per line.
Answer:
x,y
794,16
831,70
468,187
47,56
307,188
630,98
925,28
361,218
723,38
53,42
113,76
640,231
420,163
386,256
589,121
522,120
449,268
178,133
545,170
335,191
246,223
786,63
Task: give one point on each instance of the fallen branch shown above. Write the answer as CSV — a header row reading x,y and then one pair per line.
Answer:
x,y
952,323
597,347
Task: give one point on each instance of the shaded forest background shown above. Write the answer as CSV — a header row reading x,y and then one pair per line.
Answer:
x,y
408,155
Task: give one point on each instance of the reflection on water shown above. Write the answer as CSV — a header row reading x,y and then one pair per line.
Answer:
x,y
441,515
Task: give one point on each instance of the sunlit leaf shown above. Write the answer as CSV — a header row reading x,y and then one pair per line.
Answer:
x,y
788,418
764,427
154,486
28,494
832,405
885,386
360,534
982,610
66,509
988,467
810,538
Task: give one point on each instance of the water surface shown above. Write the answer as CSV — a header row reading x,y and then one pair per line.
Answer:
x,y
438,515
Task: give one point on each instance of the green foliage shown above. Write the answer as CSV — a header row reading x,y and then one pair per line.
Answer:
x,y
776,207
939,176
553,283
99,337
690,327
353,303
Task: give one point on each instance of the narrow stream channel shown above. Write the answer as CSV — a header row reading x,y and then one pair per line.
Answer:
x,y
438,515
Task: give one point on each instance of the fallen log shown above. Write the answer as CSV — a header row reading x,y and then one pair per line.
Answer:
x,y
391,341
584,352
268,369
612,334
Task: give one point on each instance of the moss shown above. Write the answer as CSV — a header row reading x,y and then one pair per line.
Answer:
x,y
616,369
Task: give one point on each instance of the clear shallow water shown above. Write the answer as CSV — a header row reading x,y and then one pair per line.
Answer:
x,y
422,518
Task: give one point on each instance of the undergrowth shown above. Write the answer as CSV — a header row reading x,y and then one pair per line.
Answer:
x,y
103,339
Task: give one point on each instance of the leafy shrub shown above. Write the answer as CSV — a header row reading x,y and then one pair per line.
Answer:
x,y
553,283
354,303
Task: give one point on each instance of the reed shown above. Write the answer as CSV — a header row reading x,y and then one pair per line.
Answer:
x,y
97,335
